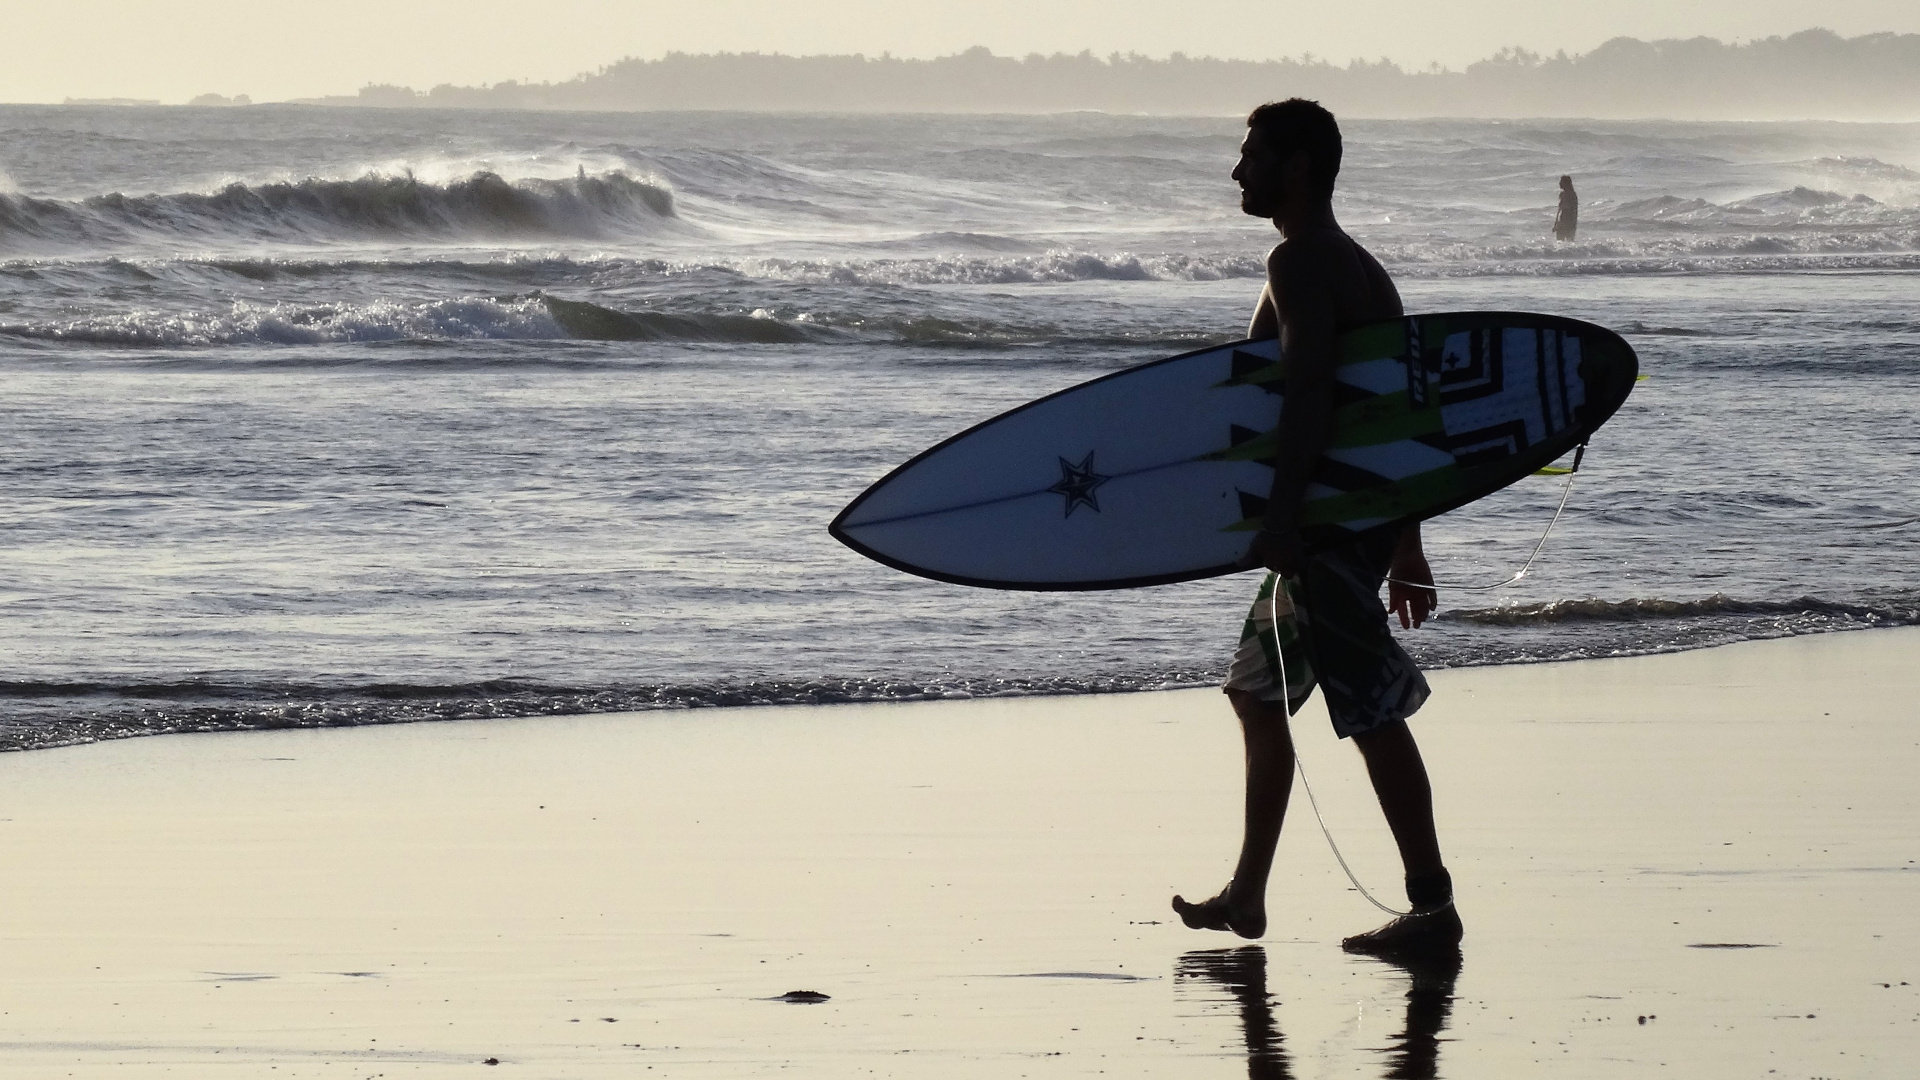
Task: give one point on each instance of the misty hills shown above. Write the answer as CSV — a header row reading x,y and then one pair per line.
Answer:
x,y
1815,74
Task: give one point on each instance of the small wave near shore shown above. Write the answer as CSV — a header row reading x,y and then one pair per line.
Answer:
x,y
1893,612
47,713
543,317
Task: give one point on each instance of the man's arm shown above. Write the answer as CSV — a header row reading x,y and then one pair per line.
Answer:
x,y
1305,311
1266,317
1410,592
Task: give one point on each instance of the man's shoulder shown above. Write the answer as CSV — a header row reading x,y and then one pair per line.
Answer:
x,y
1311,254
1316,245
1327,266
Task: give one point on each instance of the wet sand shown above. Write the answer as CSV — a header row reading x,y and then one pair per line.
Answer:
x,y
980,889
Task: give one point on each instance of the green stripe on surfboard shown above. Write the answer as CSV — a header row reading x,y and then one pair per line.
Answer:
x,y
1385,418
1378,341
1375,341
1403,497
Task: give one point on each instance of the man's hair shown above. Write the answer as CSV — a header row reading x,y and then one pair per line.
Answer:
x,y
1299,124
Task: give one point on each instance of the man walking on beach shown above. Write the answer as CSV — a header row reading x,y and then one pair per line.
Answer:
x,y
1320,282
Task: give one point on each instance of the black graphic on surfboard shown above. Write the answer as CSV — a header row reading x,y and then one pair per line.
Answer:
x,y
1078,483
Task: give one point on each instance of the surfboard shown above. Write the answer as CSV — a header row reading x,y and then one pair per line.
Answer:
x,y
1159,473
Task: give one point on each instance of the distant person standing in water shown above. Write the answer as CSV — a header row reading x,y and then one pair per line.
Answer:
x,y
1568,219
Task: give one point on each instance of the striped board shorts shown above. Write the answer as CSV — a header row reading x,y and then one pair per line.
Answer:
x,y
1332,633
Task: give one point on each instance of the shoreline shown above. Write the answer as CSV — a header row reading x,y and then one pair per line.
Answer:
x,y
831,693
982,885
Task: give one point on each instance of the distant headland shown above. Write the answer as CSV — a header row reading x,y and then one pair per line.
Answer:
x,y
1814,74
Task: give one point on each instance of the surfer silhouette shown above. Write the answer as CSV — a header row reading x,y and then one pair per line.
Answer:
x,y
1567,219
1319,281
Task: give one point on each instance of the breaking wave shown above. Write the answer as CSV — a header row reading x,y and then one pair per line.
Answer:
x,y
480,206
1427,262
466,318
1050,268
595,323
526,318
38,715
1899,611
539,317
1797,207
1797,229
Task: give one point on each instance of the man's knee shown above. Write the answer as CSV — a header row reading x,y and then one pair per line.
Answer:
x,y
1392,739
1254,710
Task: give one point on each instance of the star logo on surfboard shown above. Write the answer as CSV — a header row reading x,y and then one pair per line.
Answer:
x,y
1078,483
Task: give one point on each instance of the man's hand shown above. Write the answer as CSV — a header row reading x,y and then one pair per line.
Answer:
x,y
1410,592
1279,550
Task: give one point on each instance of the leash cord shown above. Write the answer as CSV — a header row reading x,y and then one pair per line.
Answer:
x,y
1566,491
1286,702
1286,695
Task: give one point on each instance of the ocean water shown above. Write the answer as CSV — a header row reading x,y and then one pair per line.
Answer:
x,y
337,417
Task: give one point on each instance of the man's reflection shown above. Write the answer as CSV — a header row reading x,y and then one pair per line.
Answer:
x,y
1242,972
1412,1054
1415,1052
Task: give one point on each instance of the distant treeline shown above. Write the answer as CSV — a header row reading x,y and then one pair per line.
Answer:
x,y
1814,74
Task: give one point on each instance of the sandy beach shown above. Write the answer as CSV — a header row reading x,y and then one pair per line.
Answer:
x,y
1720,842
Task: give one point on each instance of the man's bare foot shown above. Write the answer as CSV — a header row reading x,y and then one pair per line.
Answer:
x,y
1424,933
1225,912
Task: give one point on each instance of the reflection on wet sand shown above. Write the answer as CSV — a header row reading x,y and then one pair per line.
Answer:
x,y
1242,973
1413,1053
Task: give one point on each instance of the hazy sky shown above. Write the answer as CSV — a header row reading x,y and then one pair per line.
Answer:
x,y
272,50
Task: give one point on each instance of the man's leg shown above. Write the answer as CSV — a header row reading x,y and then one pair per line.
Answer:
x,y
1400,782
1242,906
1406,798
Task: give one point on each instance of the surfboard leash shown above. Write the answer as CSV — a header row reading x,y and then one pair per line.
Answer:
x,y
1286,703
1566,492
1286,697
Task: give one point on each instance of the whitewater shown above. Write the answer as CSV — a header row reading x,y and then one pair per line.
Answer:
x,y
337,416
